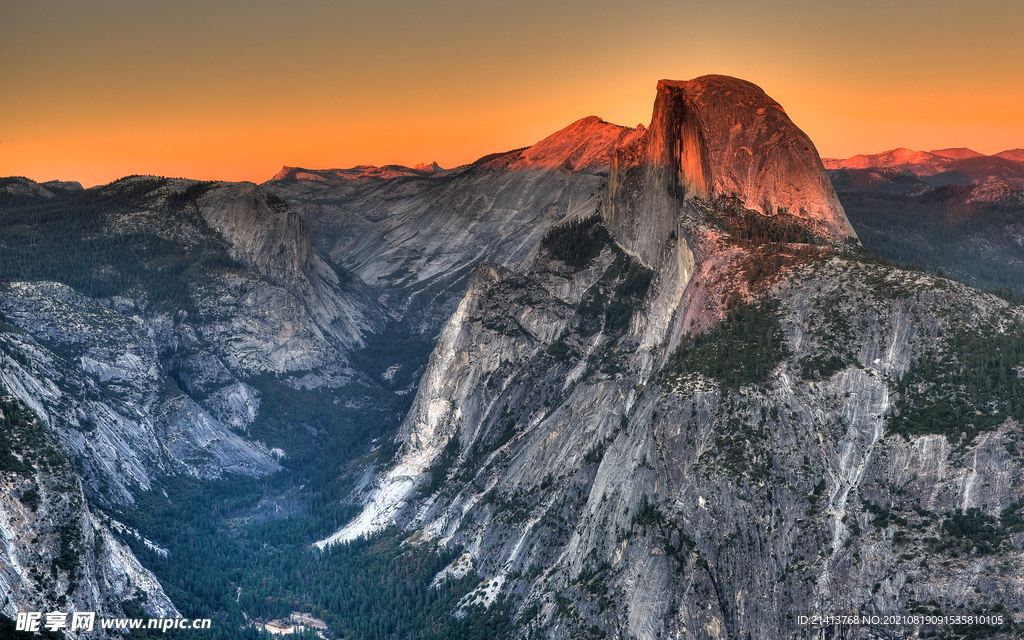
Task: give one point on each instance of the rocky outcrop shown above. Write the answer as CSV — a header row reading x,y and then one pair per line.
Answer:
x,y
55,553
709,138
665,505
586,145
138,386
94,378
266,235
359,173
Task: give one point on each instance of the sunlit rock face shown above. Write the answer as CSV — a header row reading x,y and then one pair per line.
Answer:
x,y
960,166
587,145
712,137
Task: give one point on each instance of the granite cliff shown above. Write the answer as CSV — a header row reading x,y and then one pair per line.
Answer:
x,y
191,301
704,413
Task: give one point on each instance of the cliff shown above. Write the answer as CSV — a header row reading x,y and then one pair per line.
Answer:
x,y
715,137
700,415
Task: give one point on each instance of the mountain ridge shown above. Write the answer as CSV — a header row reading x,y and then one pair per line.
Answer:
x,y
943,166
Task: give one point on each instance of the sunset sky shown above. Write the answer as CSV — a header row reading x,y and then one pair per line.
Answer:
x,y
233,90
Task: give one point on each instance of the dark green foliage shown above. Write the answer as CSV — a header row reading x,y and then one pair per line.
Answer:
x,y
560,351
648,515
773,243
741,349
69,559
819,490
335,425
577,242
609,305
882,515
439,470
741,453
972,531
1012,517
23,435
594,579
190,194
821,365
971,387
629,294
30,498
371,588
388,349
595,454
71,239
750,228
940,231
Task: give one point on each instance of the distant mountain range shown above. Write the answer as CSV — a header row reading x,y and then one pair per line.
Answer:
x,y
960,166
953,210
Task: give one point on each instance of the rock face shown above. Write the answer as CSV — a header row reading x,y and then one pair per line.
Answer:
x,y
658,505
272,239
267,236
668,399
715,137
619,484
416,234
100,389
586,145
55,553
133,389
1017,155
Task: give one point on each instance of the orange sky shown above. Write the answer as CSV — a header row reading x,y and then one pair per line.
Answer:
x,y
94,90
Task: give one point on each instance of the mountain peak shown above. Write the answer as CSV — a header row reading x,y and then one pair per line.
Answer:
x,y
1017,155
718,136
585,145
358,172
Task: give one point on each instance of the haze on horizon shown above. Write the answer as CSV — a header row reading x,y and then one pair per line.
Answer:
x,y
234,90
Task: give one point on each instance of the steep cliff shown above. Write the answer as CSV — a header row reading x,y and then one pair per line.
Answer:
x,y
56,554
710,138
714,416
145,342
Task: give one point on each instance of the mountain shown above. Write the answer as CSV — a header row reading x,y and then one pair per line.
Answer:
x,y
703,410
950,210
1017,155
960,166
146,341
717,137
416,235
957,153
919,162
631,383
974,233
